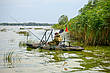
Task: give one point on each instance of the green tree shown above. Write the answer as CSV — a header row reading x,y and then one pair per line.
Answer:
x,y
63,19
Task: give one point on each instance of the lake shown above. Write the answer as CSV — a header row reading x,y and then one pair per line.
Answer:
x,y
15,58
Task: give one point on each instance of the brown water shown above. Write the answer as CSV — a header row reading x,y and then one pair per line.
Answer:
x,y
15,58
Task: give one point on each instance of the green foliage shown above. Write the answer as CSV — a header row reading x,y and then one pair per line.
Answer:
x,y
57,26
92,25
63,20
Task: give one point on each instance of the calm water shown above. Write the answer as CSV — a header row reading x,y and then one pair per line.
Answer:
x,y
15,58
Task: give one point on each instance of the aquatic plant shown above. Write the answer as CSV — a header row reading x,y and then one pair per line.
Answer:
x,y
92,25
25,33
22,44
3,30
29,49
38,28
22,28
10,59
28,28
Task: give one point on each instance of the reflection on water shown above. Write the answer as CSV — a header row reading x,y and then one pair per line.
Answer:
x,y
22,59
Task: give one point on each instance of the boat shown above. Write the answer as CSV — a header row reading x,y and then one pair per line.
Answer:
x,y
59,47
43,44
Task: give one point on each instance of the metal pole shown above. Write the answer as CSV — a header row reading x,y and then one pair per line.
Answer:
x,y
49,36
34,34
52,36
43,36
64,39
27,37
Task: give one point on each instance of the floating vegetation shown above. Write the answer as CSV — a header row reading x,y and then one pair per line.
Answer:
x,y
53,56
10,59
25,33
3,30
22,44
38,28
22,28
28,28
29,49
47,29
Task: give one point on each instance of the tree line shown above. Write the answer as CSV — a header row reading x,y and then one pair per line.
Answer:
x,y
25,24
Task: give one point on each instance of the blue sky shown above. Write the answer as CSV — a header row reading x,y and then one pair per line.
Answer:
x,y
40,11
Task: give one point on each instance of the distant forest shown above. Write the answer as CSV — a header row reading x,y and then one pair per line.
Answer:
x,y
25,24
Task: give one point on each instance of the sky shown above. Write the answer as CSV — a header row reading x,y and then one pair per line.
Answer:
x,y
39,11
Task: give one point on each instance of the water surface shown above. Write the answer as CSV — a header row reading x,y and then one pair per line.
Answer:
x,y
15,58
